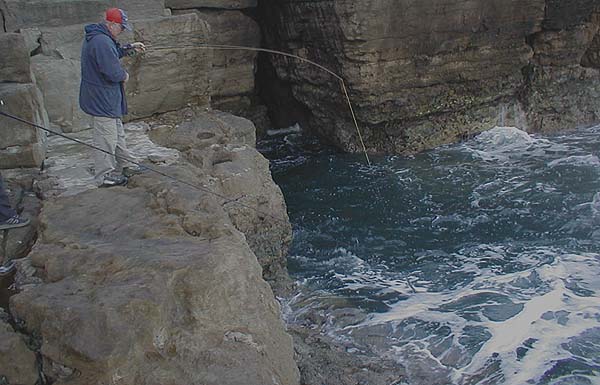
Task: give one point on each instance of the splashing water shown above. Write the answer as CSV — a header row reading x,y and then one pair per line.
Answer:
x,y
475,263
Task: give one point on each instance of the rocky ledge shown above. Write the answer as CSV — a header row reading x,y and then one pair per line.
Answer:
x,y
158,282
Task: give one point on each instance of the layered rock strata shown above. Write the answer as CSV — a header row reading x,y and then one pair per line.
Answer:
x,y
424,73
159,282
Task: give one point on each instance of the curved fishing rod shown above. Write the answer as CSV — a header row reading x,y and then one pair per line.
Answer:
x,y
272,51
192,185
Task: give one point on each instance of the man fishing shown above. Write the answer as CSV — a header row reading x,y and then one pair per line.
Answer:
x,y
102,95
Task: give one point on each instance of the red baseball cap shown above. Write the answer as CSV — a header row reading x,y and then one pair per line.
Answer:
x,y
117,15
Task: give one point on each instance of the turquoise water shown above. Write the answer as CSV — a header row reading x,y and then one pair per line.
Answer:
x,y
476,263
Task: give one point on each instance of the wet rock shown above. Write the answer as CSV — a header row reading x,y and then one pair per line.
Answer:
x,y
18,365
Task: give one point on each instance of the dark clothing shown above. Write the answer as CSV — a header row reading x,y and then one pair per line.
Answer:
x,y
102,76
6,210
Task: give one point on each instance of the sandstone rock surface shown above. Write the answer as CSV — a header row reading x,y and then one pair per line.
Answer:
x,y
155,282
255,205
173,72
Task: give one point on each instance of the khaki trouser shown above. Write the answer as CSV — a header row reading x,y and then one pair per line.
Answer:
x,y
109,135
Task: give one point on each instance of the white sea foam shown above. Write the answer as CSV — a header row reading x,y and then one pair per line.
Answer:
x,y
284,131
508,336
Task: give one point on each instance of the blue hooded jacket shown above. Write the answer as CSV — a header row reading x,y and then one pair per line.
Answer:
x,y
101,92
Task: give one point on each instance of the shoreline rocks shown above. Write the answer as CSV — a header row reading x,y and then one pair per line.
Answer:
x,y
155,282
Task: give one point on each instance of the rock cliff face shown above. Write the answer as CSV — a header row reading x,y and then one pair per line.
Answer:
x,y
423,73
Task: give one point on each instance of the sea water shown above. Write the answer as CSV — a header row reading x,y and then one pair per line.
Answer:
x,y
475,263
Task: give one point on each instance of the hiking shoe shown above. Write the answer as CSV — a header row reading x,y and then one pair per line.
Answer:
x,y
114,180
14,222
133,170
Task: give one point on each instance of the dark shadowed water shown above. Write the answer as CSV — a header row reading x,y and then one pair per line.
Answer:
x,y
477,263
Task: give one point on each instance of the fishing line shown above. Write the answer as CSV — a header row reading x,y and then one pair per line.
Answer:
x,y
192,185
200,188
272,51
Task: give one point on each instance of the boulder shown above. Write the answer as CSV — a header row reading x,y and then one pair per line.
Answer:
x,y
18,364
232,72
14,61
219,4
223,145
174,72
59,81
62,42
34,13
20,144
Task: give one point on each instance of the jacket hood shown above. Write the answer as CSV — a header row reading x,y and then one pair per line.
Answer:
x,y
92,30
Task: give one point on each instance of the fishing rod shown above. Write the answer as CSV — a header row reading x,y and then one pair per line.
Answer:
x,y
145,167
197,187
272,51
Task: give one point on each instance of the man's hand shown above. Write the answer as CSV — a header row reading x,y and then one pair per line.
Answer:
x,y
126,77
138,46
